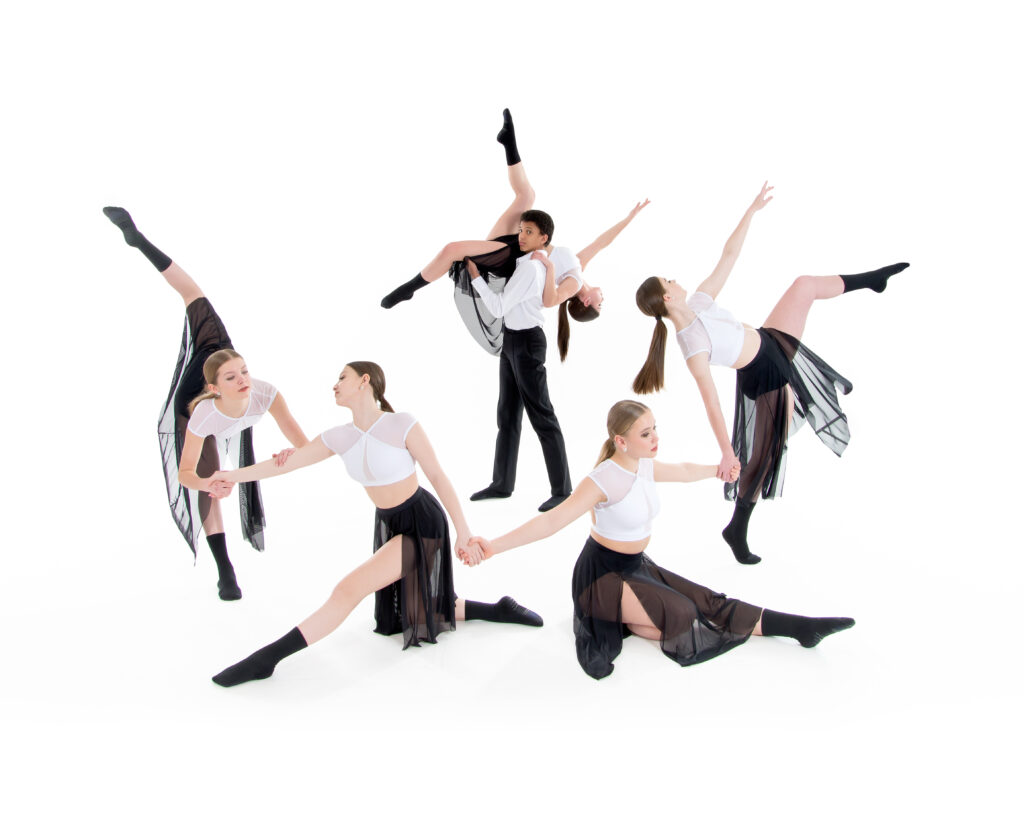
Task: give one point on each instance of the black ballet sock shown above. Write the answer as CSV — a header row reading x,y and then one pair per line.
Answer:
x,y
505,610
120,217
227,585
808,630
507,137
876,279
735,533
403,292
489,493
260,664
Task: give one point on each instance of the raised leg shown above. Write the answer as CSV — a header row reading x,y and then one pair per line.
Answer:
x,y
790,314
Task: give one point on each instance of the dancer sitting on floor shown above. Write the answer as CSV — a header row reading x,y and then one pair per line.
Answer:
x,y
212,400
411,567
617,589
776,374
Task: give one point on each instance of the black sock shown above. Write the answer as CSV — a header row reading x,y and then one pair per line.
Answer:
x,y
876,279
735,533
404,291
507,137
505,610
489,492
227,585
260,664
808,630
120,217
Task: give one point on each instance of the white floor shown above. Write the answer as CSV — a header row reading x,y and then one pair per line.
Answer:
x,y
300,164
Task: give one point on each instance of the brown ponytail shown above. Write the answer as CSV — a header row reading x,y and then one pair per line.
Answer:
x,y
572,306
377,383
621,417
650,298
210,367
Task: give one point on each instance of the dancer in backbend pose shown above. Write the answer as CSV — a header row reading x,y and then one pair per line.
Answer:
x,y
776,374
617,589
212,400
411,568
514,234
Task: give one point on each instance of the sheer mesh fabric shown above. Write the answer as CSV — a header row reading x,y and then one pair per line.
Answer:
x,y
496,267
376,456
204,333
422,603
632,500
760,427
696,624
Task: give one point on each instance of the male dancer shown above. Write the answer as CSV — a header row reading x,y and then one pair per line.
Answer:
x,y
523,381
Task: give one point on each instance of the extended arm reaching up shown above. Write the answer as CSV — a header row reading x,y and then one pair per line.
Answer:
x,y
714,283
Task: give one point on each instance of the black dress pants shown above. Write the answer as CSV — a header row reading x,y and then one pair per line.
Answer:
x,y
523,383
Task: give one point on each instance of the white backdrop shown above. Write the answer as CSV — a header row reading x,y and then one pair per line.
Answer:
x,y
302,163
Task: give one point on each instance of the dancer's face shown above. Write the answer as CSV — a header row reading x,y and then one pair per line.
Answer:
x,y
592,297
347,386
233,380
641,439
530,237
673,289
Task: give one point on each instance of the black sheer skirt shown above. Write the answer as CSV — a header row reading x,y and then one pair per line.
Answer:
x,y
760,433
696,624
495,268
422,603
204,334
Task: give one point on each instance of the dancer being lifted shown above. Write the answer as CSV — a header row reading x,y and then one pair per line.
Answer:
x,y
776,374
411,567
212,400
516,233
617,589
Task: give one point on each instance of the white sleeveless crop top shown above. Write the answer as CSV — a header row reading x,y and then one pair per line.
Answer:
x,y
632,500
567,266
714,331
208,420
376,456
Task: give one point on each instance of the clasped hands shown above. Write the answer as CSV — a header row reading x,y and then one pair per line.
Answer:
x,y
473,550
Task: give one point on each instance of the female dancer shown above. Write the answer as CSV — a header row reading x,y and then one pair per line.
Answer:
x,y
617,589
520,229
411,568
212,400
776,374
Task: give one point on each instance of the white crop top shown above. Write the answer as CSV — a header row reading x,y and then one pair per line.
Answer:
x,y
632,500
376,456
567,266
714,331
208,420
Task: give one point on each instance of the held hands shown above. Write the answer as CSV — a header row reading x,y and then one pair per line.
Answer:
x,y
467,551
639,207
762,198
729,468
217,487
282,456
475,551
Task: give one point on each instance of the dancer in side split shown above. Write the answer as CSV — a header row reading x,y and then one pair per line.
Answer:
x,y
780,382
212,401
411,567
517,232
617,589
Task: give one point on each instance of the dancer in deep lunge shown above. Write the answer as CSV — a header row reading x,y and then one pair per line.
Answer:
x,y
212,400
411,566
780,382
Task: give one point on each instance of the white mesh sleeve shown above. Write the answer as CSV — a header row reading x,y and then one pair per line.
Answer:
x,y
340,439
613,480
394,428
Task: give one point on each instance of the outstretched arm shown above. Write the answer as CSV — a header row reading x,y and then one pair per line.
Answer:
x,y
688,473
312,453
714,283
289,426
582,500
423,453
700,369
606,238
